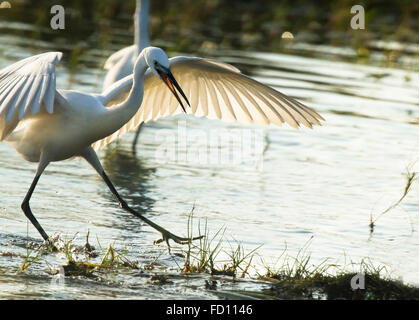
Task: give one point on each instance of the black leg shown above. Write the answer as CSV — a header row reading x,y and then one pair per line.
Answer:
x,y
166,234
91,157
25,204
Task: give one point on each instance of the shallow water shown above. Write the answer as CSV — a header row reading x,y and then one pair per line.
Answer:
x,y
277,188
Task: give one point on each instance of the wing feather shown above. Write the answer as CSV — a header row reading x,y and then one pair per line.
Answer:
x,y
11,98
238,105
258,112
36,87
213,102
24,89
196,93
275,117
26,85
7,88
204,95
225,100
115,57
147,106
155,112
37,103
50,94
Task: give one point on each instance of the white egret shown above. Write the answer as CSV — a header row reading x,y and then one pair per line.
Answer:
x,y
121,63
45,125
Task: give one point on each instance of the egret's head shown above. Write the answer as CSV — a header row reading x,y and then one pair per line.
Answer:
x,y
159,63
156,58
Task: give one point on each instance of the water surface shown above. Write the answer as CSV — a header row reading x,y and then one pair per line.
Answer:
x,y
271,187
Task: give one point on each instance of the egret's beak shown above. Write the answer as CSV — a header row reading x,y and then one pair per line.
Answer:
x,y
171,82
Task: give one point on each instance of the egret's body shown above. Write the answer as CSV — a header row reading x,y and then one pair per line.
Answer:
x,y
74,114
46,125
78,120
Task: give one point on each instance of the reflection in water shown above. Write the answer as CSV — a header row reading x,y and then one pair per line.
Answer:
x,y
130,177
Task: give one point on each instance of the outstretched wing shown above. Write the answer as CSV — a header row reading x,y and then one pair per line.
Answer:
x,y
26,86
215,90
219,91
120,65
115,57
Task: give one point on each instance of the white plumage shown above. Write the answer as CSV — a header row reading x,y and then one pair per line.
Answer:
x,y
45,125
121,63
24,86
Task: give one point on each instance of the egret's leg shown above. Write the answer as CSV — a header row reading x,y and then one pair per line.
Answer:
x,y
25,204
91,157
134,142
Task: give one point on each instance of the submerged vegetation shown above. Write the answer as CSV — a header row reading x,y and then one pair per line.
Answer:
x,y
111,259
290,277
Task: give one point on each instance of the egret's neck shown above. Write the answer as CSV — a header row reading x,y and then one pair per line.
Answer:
x,y
141,21
118,115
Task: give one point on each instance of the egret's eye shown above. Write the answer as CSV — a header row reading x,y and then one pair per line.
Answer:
x,y
155,63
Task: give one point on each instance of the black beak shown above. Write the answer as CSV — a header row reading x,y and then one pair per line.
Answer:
x,y
172,84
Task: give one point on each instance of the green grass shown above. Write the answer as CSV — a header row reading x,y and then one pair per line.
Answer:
x,y
203,256
298,278
29,259
34,255
298,267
